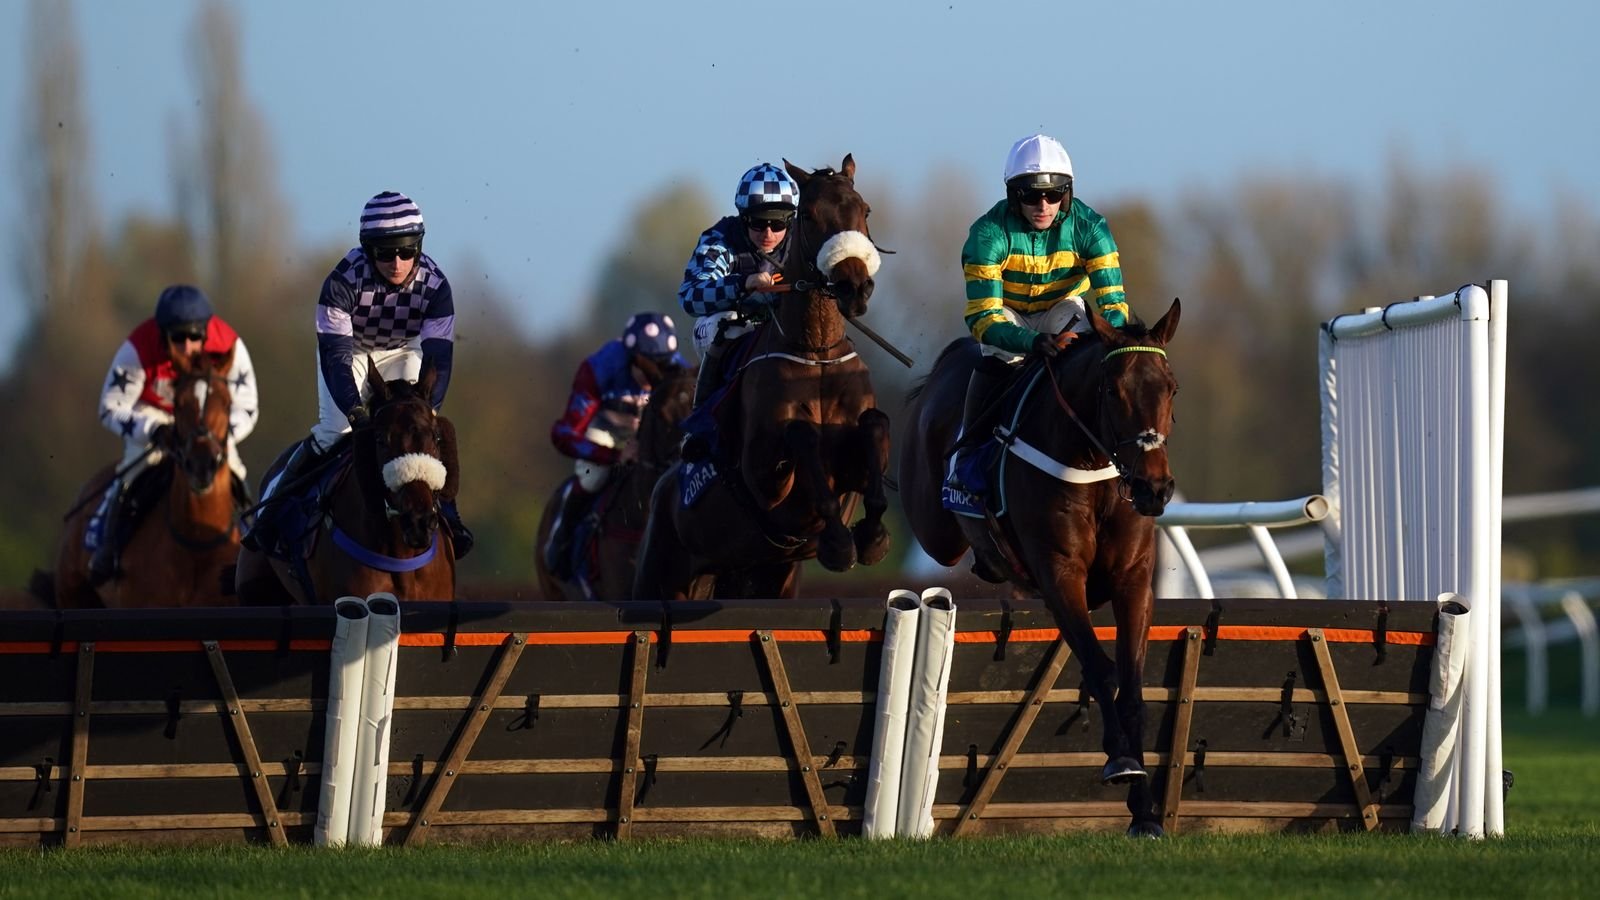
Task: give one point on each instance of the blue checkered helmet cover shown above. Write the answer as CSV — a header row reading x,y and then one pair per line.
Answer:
x,y
651,334
181,304
390,214
766,185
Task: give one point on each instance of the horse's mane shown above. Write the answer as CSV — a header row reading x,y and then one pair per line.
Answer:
x,y
922,383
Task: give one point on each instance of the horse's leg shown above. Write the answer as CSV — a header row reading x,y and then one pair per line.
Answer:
x,y
255,583
803,442
872,450
663,572
1132,607
1067,600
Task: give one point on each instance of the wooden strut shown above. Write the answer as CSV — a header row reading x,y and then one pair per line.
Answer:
x,y
1347,735
797,734
1179,755
461,745
250,769
82,695
1027,714
628,783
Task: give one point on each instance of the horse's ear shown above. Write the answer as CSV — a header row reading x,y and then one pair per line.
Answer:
x,y
800,176
1162,333
848,167
375,382
222,363
426,380
1104,329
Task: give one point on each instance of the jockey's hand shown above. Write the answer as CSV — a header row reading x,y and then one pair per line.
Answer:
x,y
1045,345
760,281
161,436
359,416
629,452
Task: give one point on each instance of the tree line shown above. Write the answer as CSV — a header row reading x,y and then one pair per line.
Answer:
x,y
1259,260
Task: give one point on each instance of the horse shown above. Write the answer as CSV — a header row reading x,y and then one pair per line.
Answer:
x,y
1101,410
812,437
381,520
623,506
179,550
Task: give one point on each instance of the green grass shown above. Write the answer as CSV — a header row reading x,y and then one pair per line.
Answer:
x,y
1552,849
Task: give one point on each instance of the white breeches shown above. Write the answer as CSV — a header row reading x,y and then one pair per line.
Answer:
x,y
705,329
591,476
405,362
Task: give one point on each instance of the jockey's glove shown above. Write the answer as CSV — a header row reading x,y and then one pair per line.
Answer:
x,y
1045,345
359,416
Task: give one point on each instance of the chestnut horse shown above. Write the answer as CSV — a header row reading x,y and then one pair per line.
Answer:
x,y
624,505
381,522
178,552
1084,475
810,432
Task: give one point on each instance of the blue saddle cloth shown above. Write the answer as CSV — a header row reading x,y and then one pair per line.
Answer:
x,y
967,486
291,518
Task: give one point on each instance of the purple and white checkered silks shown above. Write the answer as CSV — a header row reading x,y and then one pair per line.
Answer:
x,y
390,214
765,185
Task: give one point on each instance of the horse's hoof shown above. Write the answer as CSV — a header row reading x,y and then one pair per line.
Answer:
x,y
841,561
1145,830
1122,770
872,545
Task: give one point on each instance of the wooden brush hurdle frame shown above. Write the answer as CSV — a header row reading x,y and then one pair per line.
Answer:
x,y
531,721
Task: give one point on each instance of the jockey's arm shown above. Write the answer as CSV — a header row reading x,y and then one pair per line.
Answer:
x,y
982,263
439,339
570,433
245,411
336,345
121,413
710,284
1104,265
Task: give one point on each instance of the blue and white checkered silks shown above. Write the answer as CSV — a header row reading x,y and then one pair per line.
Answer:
x,y
766,185
651,334
390,214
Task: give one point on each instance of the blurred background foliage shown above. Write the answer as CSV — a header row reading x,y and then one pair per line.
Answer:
x,y
1260,261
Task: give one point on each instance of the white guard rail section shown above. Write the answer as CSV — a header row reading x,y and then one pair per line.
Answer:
x,y
355,754
1413,400
913,684
1256,517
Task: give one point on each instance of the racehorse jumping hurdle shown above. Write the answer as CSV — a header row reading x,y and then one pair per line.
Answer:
x,y
584,719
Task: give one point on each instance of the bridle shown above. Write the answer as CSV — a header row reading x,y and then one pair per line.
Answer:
x,y
1124,476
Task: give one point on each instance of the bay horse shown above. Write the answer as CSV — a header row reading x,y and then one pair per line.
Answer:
x,y
380,526
812,440
178,552
1080,486
623,505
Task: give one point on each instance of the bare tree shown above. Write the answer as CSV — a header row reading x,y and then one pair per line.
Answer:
x,y
236,201
56,210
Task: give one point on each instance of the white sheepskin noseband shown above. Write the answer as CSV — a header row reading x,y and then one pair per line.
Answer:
x,y
402,470
844,245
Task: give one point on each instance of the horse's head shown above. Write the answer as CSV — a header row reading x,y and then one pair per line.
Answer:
x,y
832,244
201,403
1136,394
660,426
405,443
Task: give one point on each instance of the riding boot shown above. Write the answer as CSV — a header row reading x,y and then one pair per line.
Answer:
x,y
263,534
460,536
985,382
103,565
696,446
558,552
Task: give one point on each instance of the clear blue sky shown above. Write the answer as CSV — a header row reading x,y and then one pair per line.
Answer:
x,y
526,130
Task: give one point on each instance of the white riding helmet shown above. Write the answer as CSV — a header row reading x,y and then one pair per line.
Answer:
x,y
1040,162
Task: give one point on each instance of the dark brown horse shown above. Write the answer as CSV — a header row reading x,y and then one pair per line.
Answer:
x,y
811,434
624,505
383,511
178,552
1102,410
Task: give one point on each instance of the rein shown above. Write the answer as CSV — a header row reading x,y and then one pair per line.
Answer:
x,y
1061,400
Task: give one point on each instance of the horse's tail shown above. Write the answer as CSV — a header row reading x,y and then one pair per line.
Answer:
x,y
922,383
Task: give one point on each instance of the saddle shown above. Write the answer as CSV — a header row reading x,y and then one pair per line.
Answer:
x,y
293,515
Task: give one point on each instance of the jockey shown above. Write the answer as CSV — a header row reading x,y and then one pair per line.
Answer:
x,y
734,262
387,301
609,394
136,402
1030,262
